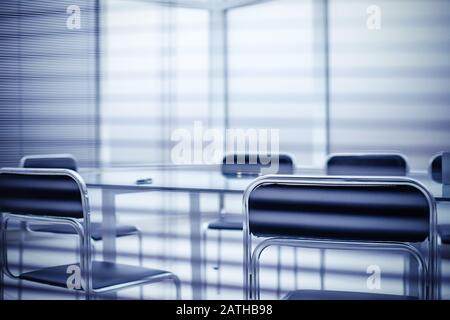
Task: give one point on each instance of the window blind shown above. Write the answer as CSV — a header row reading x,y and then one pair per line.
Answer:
x,y
390,86
48,79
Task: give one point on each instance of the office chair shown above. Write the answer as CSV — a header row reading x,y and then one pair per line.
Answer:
x,y
376,164
60,197
435,168
345,213
67,161
435,171
240,166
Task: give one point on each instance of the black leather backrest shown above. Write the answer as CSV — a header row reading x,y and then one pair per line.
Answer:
x,y
42,195
346,212
367,165
50,162
252,165
436,168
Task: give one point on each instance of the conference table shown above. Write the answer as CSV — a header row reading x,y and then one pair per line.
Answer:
x,y
194,181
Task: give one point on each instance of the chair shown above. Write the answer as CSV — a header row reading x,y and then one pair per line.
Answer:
x,y
435,168
50,161
67,161
351,213
367,165
241,166
435,171
60,197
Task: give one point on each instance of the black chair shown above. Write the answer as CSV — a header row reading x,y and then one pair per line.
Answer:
x,y
435,171
67,161
367,165
242,166
435,168
352,213
50,161
60,197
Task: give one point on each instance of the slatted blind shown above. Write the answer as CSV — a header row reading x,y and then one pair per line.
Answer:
x,y
154,78
276,77
390,87
47,80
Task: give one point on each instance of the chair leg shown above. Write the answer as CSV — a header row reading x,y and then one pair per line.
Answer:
x,y
205,263
141,261
278,272
322,268
177,284
295,269
23,229
2,278
219,260
141,252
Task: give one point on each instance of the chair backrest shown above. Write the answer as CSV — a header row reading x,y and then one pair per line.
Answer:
x,y
251,165
340,209
435,168
43,192
367,165
50,161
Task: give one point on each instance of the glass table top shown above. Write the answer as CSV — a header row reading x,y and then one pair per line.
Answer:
x,y
205,179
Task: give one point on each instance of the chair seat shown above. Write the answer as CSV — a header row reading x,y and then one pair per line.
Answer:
x,y
228,222
444,232
342,295
104,274
96,229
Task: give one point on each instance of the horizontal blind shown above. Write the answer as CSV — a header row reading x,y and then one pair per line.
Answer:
x,y
275,74
154,78
390,86
48,79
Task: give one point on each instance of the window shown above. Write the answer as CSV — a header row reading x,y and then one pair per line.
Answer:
x,y
154,78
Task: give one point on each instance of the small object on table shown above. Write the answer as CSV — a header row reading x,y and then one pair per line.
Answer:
x,y
144,181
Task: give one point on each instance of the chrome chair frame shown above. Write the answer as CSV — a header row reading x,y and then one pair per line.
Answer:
x,y
427,270
82,231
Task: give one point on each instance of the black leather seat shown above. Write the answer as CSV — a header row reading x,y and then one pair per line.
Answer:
x,y
340,212
229,221
104,274
436,168
367,165
62,161
234,165
96,230
342,295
